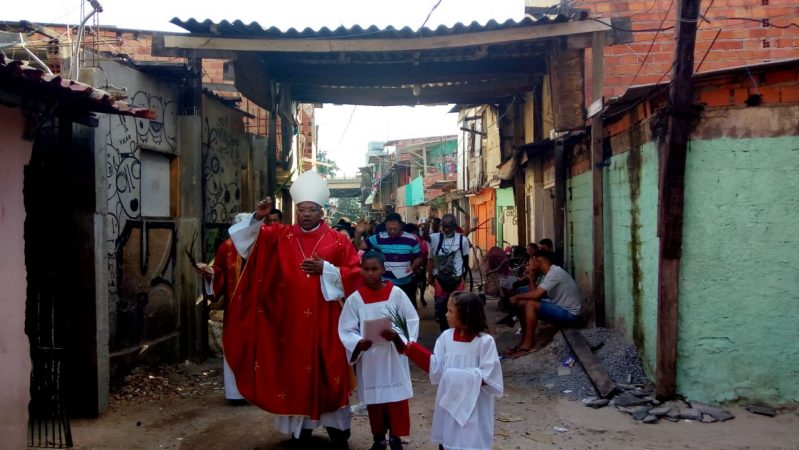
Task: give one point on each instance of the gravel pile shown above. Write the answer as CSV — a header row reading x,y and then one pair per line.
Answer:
x,y
549,368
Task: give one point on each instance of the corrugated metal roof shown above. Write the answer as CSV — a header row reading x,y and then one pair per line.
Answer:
x,y
26,80
238,28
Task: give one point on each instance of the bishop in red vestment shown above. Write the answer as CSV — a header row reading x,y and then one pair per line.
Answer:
x,y
281,336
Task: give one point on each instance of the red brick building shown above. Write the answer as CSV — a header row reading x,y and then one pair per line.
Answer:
x,y
733,33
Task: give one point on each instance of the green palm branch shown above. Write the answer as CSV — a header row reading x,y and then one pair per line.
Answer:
x,y
399,321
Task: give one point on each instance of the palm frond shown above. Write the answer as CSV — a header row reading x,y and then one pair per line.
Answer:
x,y
399,321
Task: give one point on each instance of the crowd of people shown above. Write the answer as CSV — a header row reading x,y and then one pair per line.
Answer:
x,y
335,309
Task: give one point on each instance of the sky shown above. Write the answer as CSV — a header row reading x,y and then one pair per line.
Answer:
x,y
344,130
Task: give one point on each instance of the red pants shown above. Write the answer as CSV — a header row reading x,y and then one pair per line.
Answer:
x,y
395,416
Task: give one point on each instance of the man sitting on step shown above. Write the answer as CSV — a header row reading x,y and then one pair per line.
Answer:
x,y
555,299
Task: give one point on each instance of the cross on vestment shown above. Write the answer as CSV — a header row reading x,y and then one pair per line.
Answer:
x,y
307,312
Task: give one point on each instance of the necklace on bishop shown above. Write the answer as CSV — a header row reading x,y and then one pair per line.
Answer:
x,y
313,252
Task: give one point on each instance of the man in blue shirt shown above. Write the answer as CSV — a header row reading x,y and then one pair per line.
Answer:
x,y
402,251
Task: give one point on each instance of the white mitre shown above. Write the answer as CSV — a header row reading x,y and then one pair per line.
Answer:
x,y
310,187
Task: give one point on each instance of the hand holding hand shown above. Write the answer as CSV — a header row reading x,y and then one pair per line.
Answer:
x,y
363,345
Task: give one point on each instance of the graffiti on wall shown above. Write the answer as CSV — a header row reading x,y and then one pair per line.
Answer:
x,y
221,160
161,132
145,303
124,139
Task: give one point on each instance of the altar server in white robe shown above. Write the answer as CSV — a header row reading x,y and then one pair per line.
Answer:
x,y
372,344
465,366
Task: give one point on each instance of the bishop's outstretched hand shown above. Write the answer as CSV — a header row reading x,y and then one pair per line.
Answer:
x,y
263,208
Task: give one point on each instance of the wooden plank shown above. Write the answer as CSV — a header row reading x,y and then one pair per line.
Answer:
x,y
602,382
561,160
476,94
491,37
673,151
362,75
519,199
597,168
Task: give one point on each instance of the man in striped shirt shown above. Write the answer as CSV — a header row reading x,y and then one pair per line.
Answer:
x,y
401,249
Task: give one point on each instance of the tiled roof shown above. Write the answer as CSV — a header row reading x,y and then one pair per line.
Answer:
x,y
22,79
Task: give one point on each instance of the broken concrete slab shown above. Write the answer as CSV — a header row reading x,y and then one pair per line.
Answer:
x,y
763,410
627,399
660,411
673,414
717,413
596,402
641,393
690,414
641,414
650,419
707,418
633,410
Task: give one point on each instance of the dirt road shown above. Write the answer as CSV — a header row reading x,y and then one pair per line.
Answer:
x,y
527,418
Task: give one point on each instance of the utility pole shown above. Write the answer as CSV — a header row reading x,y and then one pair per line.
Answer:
x,y
673,149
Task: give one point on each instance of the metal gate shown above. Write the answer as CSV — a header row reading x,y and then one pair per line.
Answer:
x,y
47,301
48,425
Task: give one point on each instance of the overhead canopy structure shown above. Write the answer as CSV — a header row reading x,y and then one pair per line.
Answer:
x,y
344,187
464,64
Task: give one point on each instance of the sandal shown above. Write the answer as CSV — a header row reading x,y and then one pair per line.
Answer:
x,y
511,351
521,352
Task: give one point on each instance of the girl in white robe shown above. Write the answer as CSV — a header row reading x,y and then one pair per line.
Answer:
x,y
384,378
465,365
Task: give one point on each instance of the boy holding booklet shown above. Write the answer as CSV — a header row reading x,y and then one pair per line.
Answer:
x,y
365,329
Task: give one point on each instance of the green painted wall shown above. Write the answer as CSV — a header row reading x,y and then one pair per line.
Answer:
x,y
739,287
631,248
579,254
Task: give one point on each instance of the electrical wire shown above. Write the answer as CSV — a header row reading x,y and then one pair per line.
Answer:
x,y
630,30
718,33
651,45
430,14
654,39
750,19
347,127
645,96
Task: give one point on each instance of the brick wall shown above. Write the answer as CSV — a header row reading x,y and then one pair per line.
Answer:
x,y
137,45
740,42
773,85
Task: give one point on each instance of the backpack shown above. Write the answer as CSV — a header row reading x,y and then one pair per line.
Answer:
x,y
447,275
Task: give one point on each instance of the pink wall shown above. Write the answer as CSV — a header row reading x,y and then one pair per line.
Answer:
x,y
15,363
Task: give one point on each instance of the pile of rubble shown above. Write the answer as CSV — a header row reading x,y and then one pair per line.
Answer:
x,y
639,402
156,384
555,369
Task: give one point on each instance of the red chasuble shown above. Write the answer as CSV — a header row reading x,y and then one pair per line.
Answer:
x,y
282,336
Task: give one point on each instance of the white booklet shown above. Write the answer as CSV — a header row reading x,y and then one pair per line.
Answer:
x,y
373,327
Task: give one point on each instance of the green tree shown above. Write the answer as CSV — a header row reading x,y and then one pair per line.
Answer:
x,y
325,165
348,207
